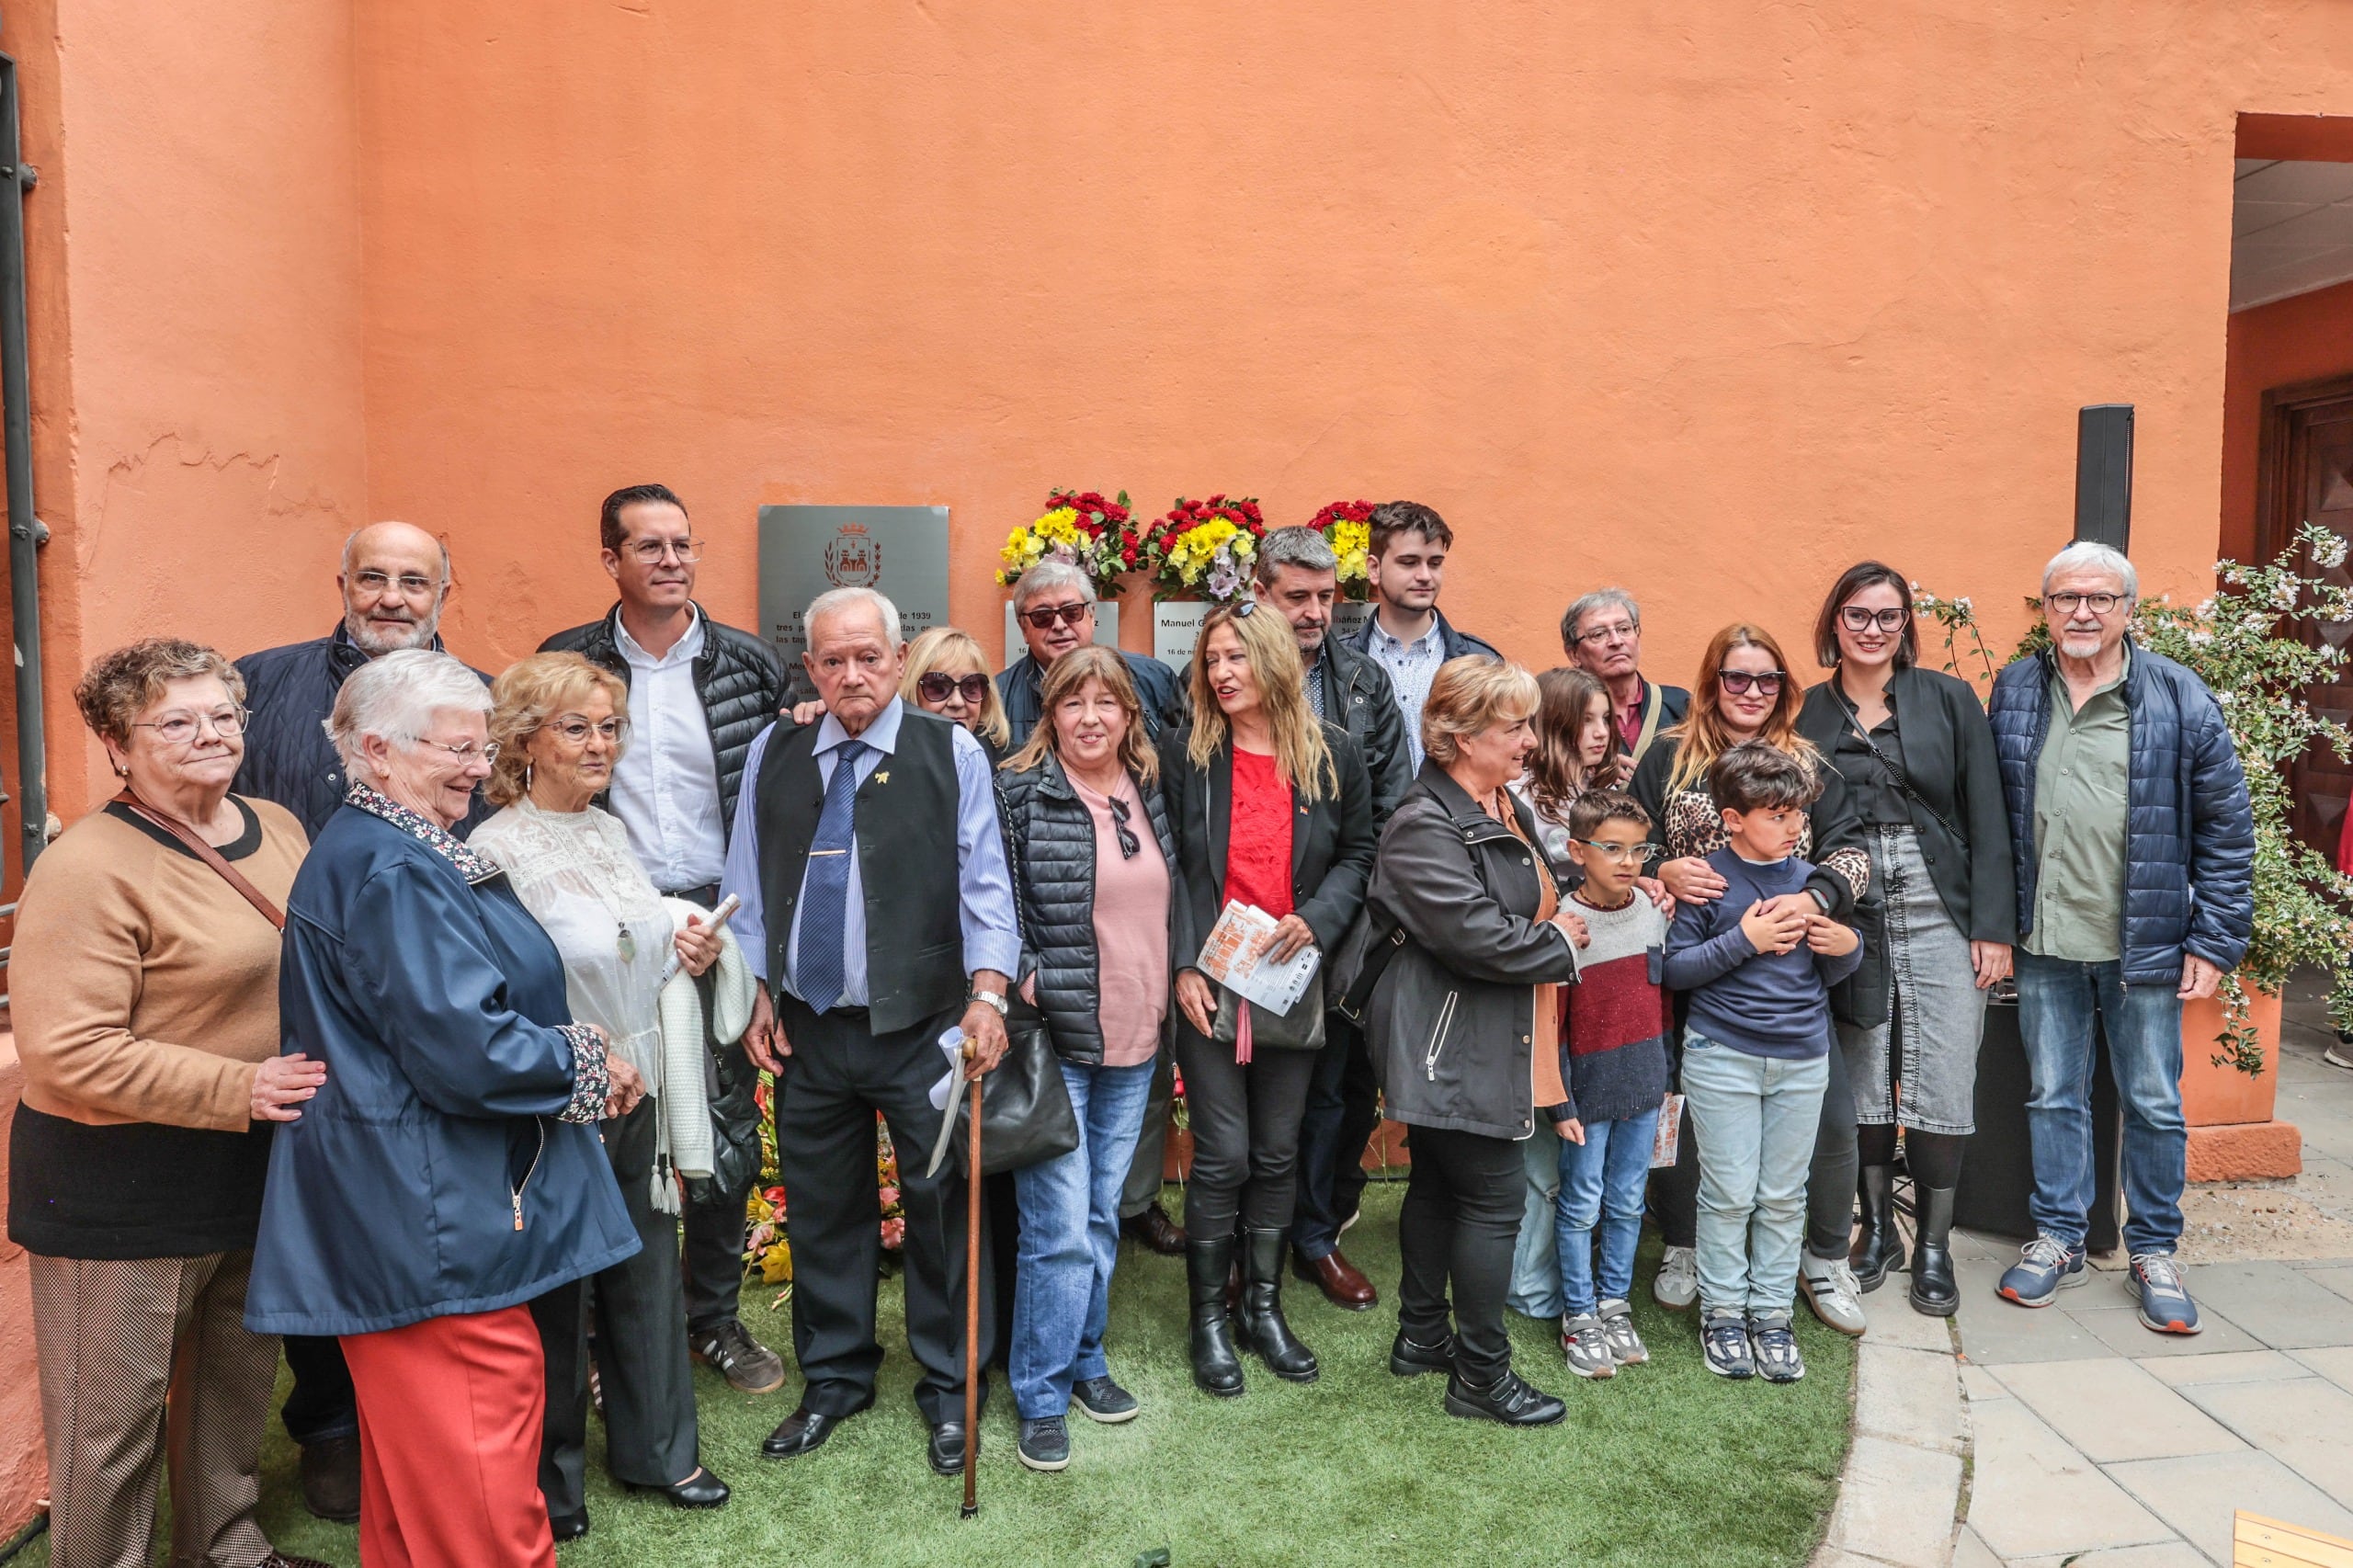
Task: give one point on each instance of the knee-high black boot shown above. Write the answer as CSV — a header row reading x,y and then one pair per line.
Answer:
x,y
1878,1246
1216,1368
1934,1290
1262,1308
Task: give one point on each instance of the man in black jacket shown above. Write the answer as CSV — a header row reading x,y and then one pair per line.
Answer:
x,y
1299,575
1408,636
1602,634
698,692
395,581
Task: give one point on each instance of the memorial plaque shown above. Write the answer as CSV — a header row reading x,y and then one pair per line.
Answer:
x,y
1107,628
1349,619
899,551
1176,627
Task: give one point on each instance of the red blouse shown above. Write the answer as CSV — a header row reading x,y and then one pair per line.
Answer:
x,y
1257,840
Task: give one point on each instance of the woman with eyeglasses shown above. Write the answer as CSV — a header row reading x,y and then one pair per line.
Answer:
x,y
1916,751
1745,693
144,991
1272,807
1087,835
561,723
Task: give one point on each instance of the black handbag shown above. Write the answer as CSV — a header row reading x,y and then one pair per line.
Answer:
x,y
1026,1114
1301,1029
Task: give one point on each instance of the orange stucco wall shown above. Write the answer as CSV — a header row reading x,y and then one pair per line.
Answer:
x,y
2279,345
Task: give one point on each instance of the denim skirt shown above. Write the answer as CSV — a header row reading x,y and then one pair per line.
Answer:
x,y
1918,1069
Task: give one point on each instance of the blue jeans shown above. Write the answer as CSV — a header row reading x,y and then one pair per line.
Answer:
x,y
1602,1183
1069,1239
1757,1118
1535,1274
2058,1003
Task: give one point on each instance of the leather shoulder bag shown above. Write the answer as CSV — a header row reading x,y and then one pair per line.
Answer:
x,y
204,852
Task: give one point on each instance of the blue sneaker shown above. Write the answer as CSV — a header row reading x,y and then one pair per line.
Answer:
x,y
2045,1267
2165,1306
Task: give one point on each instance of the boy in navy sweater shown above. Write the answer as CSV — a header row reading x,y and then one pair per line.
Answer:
x,y
1759,963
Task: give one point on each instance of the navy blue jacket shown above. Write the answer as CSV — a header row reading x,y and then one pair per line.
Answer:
x,y
437,1004
289,759
1159,688
2189,834
1457,644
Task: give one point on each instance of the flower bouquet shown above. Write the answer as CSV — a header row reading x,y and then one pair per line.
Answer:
x,y
767,1247
1078,528
1203,550
1347,526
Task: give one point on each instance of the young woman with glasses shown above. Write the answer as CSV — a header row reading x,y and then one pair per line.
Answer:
x,y
1745,692
1917,755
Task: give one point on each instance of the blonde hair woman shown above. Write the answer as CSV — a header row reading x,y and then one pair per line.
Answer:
x,y
1272,808
946,673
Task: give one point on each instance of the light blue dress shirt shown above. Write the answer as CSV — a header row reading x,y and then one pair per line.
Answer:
x,y
1412,667
992,934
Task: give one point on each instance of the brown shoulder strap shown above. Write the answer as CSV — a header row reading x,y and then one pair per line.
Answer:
x,y
206,853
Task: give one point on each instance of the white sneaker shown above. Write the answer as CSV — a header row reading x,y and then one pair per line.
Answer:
x,y
1677,1282
1830,1289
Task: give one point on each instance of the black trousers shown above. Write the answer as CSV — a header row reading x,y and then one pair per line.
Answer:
x,y
321,1405
1245,1135
1829,1188
1342,1108
1150,1160
839,1076
1460,1223
640,1310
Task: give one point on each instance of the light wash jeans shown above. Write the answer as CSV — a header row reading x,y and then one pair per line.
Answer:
x,y
1602,1183
2059,1003
1535,1269
1757,1118
1069,1239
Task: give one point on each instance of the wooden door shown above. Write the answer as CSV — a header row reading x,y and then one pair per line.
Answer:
x,y
2307,473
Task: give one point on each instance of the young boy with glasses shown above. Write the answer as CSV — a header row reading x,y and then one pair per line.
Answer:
x,y
1756,1040
1614,1066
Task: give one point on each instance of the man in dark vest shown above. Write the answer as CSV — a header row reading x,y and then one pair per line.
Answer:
x,y
878,910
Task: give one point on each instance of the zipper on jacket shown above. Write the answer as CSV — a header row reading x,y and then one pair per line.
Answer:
x,y
1438,1037
541,1127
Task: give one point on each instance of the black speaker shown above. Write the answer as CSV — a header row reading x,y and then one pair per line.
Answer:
x,y
2104,474
1997,1174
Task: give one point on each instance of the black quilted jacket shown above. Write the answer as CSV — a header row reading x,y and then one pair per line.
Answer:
x,y
1050,841
738,676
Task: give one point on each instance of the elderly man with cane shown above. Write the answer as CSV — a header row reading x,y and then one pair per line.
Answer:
x,y
873,873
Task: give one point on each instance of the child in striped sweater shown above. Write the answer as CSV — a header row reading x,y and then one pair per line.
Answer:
x,y
1614,1064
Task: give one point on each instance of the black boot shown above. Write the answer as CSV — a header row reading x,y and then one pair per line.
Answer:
x,y
1934,1291
1262,1308
1878,1245
1216,1369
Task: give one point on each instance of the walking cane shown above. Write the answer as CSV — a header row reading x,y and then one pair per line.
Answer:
x,y
972,1373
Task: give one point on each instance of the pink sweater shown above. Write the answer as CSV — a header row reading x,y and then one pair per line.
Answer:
x,y
1131,930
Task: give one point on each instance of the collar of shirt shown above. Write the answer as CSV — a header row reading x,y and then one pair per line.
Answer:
x,y
685,651
2059,680
883,735
1425,642
471,863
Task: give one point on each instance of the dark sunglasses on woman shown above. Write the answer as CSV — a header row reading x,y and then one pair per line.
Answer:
x,y
937,687
1130,845
1045,616
1738,682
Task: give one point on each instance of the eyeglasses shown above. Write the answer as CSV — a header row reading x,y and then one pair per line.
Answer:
x,y
1855,618
1130,845
1044,617
411,586
181,729
1739,682
650,551
2067,604
1621,854
465,754
938,686
576,730
1617,632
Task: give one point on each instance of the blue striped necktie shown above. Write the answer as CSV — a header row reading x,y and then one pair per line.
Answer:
x,y
824,900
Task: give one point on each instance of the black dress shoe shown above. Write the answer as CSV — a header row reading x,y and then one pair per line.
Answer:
x,y
1507,1398
799,1432
1407,1359
330,1473
569,1526
946,1451
700,1490
1156,1231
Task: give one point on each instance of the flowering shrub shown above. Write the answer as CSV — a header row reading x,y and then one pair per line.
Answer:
x,y
1078,528
1347,526
1203,548
767,1249
2246,643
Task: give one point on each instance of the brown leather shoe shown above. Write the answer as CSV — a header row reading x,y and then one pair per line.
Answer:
x,y
1155,1229
1341,1282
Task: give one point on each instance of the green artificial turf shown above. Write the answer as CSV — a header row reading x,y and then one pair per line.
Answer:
x,y
1665,1464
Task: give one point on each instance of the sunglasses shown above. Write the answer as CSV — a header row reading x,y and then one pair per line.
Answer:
x,y
938,687
1740,682
1044,617
1130,845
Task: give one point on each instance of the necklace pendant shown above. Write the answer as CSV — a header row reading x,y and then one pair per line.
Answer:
x,y
628,944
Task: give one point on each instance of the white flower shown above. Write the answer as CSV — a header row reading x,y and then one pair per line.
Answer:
x,y
2329,555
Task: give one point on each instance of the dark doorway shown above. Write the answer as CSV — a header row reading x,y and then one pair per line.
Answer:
x,y
2307,474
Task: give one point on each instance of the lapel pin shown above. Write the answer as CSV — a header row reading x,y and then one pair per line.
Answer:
x,y
883,778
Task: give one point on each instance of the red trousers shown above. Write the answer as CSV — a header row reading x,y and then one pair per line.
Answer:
x,y
449,1416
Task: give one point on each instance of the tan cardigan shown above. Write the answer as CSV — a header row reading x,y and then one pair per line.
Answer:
x,y
144,987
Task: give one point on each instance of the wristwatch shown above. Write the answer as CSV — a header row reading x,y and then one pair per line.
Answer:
x,y
992,999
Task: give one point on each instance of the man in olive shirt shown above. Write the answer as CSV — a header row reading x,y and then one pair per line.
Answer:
x,y
2135,854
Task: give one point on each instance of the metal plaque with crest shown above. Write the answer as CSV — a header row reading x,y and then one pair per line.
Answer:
x,y
899,551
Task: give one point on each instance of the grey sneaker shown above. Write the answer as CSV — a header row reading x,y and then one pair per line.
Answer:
x,y
1830,1289
1776,1348
1723,1341
1677,1283
1100,1399
1044,1444
1586,1345
2166,1306
2340,1054
1626,1346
